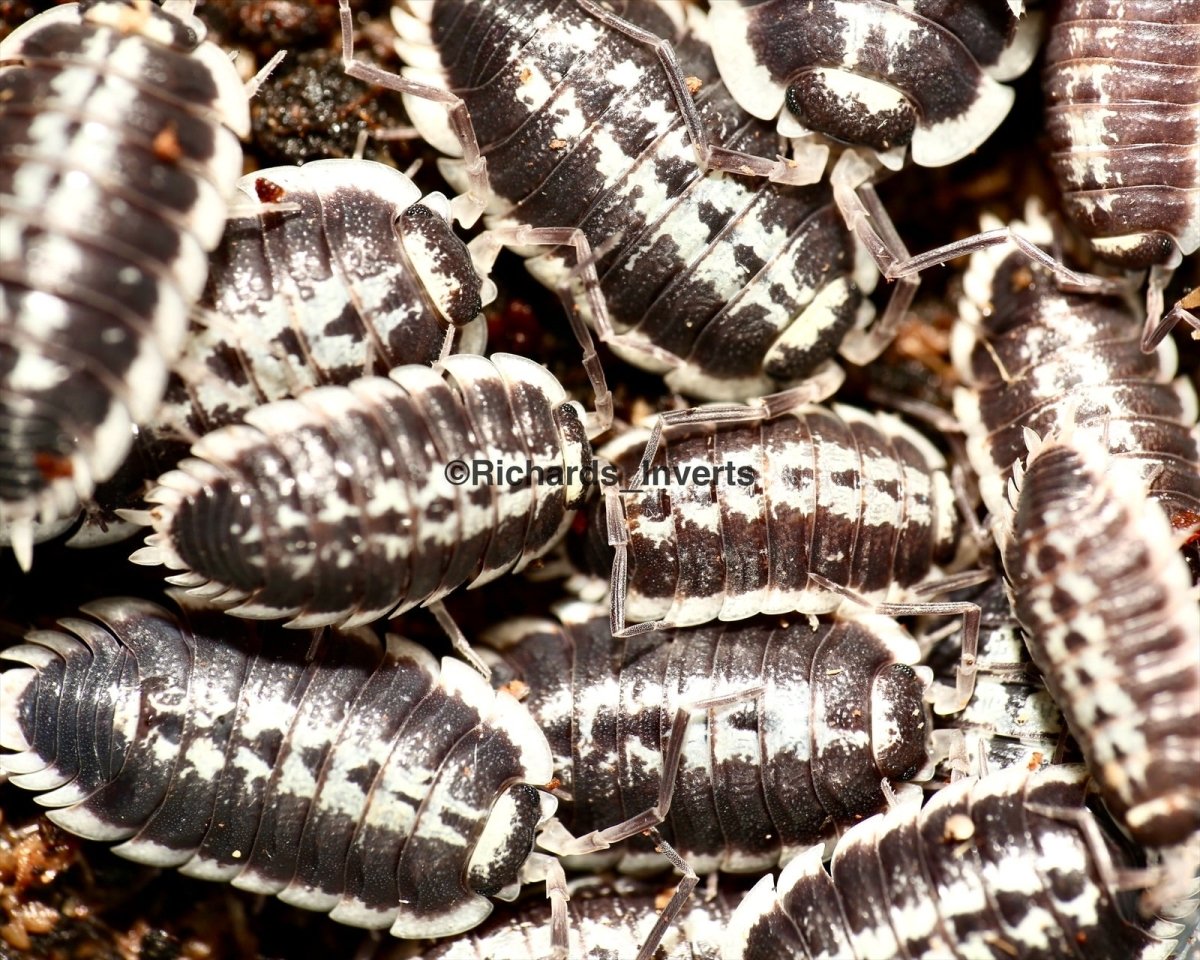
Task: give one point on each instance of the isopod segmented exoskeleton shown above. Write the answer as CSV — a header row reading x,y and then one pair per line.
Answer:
x,y
1032,356
875,74
1114,626
737,510
1011,865
363,275
1011,719
733,286
119,143
606,922
837,709
1120,87
371,784
350,502
343,270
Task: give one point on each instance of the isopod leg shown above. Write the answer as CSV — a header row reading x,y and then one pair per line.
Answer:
x,y
710,156
864,215
487,246
1159,325
687,883
458,639
945,699
254,84
468,207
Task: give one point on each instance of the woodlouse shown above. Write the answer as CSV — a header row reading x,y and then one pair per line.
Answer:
x,y
1032,356
119,138
1120,87
1011,865
1114,627
367,783
356,274
736,510
365,275
350,502
875,74
606,923
730,285
759,779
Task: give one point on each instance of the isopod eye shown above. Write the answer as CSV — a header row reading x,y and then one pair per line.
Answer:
x,y
506,841
442,262
852,108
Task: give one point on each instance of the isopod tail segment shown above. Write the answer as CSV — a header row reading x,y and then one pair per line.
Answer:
x,y
554,837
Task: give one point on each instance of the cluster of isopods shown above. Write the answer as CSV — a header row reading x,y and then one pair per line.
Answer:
x,y
712,461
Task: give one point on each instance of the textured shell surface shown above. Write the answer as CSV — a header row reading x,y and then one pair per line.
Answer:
x,y
1121,85
1011,718
861,499
984,869
1034,357
363,277
347,503
337,781
606,923
732,286
119,141
1114,626
876,74
761,778
360,276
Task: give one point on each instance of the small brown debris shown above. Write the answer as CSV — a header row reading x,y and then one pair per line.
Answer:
x,y
166,145
693,84
268,192
557,144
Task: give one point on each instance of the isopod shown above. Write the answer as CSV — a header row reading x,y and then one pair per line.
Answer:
x,y
606,922
1120,84
1114,626
370,784
1011,865
1032,356
120,149
348,503
887,77
730,285
744,785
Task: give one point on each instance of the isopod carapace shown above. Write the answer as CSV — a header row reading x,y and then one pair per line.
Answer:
x,y
119,149
606,921
1114,626
348,503
834,709
357,273
1120,86
873,74
734,516
373,784
1033,356
1015,864
730,285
